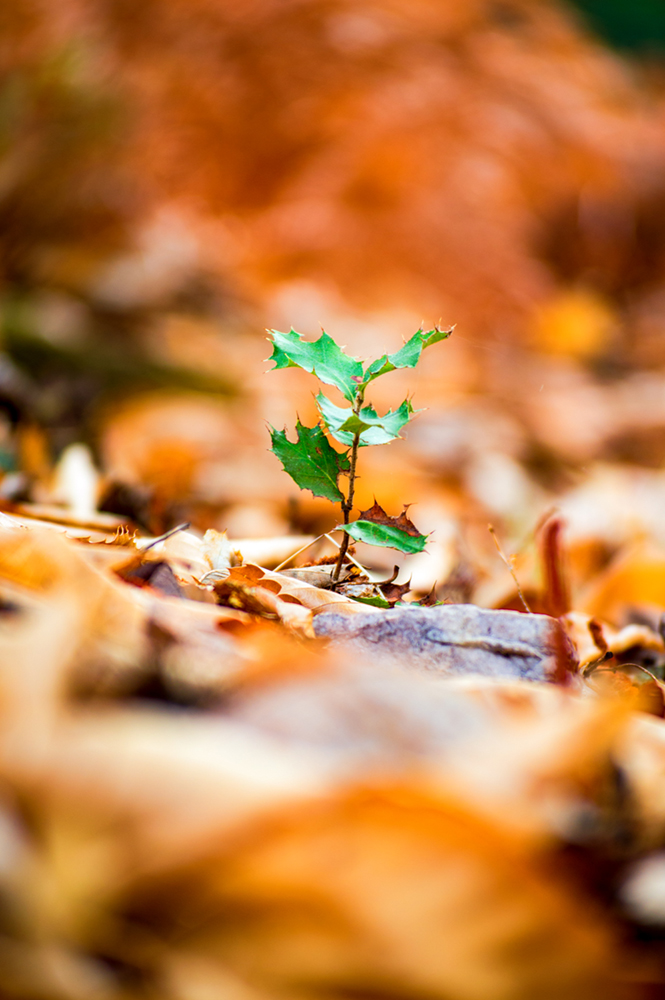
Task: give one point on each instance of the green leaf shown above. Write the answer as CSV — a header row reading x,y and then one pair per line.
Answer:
x,y
375,602
343,424
386,535
311,461
408,356
321,357
375,429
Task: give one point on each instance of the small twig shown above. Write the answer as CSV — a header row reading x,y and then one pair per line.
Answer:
x,y
347,554
589,668
167,534
318,538
285,562
511,569
620,666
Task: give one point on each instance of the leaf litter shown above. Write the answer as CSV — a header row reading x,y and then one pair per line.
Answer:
x,y
222,773
198,756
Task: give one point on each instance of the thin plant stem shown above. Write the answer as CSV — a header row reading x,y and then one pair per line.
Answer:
x,y
511,569
347,504
167,534
355,562
285,562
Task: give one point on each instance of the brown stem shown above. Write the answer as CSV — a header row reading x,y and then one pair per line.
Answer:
x,y
347,504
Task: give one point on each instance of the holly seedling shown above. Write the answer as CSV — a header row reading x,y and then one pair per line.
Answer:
x,y
312,461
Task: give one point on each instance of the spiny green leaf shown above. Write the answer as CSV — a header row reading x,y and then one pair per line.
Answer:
x,y
311,461
378,528
408,356
375,602
375,429
321,357
386,535
343,424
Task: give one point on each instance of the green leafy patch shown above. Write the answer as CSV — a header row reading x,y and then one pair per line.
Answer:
x,y
408,356
311,461
376,527
343,424
321,357
386,535
376,602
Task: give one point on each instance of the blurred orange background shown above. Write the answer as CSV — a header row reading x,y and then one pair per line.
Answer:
x,y
177,175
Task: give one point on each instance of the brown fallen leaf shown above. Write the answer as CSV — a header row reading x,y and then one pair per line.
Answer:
x,y
247,588
377,515
394,592
431,599
276,593
155,573
587,635
320,575
271,552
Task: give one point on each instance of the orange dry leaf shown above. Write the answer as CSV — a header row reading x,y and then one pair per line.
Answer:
x,y
70,620
634,581
254,588
390,891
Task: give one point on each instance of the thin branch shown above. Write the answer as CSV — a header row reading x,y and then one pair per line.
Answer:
x,y
167,534
355,562
285,562
511,569
347,505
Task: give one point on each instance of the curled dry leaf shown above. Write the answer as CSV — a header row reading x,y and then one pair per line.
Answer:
x,y
377,515
271,552
247,587
394,592
70,619
595,641
587,636
634,640
291,600
635,580
193,557
321,574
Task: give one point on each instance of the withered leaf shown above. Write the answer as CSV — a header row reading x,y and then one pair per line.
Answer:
x,y
394,592
377,515
376,527
429,600
291,599
155,573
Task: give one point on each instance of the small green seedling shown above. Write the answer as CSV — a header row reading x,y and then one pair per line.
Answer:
x,y
314,464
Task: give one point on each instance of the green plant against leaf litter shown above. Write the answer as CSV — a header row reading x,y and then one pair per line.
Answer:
x,y
312,461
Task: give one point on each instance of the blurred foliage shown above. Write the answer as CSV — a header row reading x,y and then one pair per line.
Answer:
x,y
628,24
175,176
